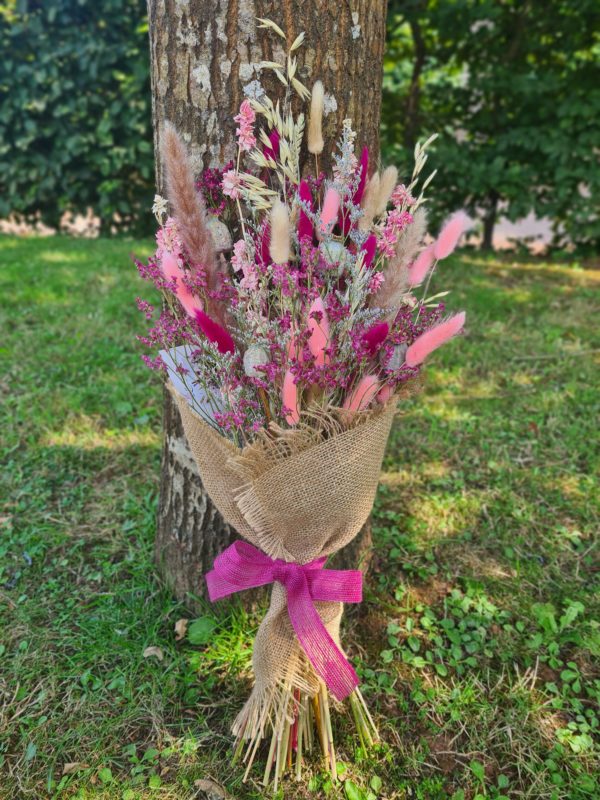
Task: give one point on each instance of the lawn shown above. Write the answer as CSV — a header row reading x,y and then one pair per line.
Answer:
x,y
478,640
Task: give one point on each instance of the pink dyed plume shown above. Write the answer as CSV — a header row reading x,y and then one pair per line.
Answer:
x,y
305,226
450,234
360,189
273,150
430,340
215,333
172,271
289,396
362,394
319,332
329,212
364,168
375,336
369,248
418,270
385,394
264,242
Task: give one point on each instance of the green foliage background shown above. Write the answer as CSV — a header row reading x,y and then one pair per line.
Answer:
x,y
512,87
75,122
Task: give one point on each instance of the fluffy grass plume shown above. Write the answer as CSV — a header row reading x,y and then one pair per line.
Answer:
x,y
387,182
396,272
370,202
187,205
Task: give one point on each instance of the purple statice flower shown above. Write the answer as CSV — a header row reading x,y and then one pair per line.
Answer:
x,y
210,185
145,307
155,364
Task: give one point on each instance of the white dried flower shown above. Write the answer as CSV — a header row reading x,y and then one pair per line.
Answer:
x,y
255,356
334,253
159,207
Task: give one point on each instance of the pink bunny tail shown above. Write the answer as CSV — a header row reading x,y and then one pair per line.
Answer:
x,y
362,394
420,267
329,211
319,332
289,396
172,271
215,333
429,341
450,235
385,394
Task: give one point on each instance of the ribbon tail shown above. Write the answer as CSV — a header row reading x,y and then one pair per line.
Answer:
x,y
327,659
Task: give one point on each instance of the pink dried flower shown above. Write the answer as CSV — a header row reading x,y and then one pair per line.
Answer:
x,y
232,184
377,278
245,133
402,197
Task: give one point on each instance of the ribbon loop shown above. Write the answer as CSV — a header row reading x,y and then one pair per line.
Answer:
x,y
242,566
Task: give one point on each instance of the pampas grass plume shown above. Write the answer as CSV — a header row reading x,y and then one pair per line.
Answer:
x,y
187,204
369,202
389,178
279,246
315,123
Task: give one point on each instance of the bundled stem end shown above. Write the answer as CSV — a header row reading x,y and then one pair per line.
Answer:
x,y
295,720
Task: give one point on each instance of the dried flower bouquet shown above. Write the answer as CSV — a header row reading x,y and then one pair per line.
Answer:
x,y
290,331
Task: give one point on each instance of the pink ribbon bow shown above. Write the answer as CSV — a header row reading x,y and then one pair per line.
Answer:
x,y
242,566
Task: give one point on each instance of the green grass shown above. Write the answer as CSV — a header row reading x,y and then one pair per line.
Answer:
x,y
478,639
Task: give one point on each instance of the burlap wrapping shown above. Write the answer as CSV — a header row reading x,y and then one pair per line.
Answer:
x,y
297,495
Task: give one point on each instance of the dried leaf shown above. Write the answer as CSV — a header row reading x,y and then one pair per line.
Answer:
x,y
74,766
180,629
153,651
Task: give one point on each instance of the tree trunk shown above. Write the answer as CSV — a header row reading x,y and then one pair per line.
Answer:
x,y
489,222
205,57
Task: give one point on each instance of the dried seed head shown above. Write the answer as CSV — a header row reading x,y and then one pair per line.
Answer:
x,y
279,247
315,124
255,356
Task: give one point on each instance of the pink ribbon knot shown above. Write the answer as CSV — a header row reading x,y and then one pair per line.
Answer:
x,y
242,566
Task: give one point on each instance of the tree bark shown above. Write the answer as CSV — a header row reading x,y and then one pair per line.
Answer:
x,y
205,58
489,222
